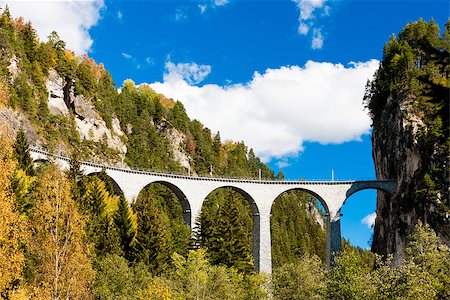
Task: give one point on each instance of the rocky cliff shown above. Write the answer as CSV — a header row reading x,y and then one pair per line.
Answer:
x,y
408,102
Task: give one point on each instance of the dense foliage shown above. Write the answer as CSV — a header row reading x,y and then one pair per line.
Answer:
x,y
414,76
68,235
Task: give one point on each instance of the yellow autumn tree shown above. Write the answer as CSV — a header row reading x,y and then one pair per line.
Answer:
x,y
12,227
62,256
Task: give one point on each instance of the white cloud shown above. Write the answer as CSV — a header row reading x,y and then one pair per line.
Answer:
x,y
149,60
303,29
180,15
202,8
278,110
317,41
221,2
190,73
119,15
126,55
369,220
282,164
307,8
71,19
307,19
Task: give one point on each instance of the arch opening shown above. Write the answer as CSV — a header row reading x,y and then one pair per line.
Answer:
x,y
358,213
110,184
298,226
229,228
170,214
357,219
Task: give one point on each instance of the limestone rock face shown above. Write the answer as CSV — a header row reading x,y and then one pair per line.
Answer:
x,y
92,127
55,87
177,139
13,67
17,119
398,155
90,124
312,211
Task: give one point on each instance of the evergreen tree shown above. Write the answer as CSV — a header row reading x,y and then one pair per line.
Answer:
x,y
22,153
178,117
94,199
224,232
151,246
76,177
125,228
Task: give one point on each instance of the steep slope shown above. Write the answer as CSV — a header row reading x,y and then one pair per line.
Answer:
x,y
409,104
70,104
66,102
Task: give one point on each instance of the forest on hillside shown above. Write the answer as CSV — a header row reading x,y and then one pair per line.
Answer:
x,y
67,235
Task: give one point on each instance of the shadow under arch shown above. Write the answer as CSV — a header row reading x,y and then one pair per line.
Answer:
x,y
104,176
40,162
315,230
256,222
185,205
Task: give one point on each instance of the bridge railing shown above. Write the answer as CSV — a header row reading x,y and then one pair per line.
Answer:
x,y
62,156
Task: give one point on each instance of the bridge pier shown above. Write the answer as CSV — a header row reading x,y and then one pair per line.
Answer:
x,y
334,239
263,255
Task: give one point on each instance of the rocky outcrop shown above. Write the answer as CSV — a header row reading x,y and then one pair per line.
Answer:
x,y
13,68
17,120
399,154
55,87
314,213
177,140
91,126
89,123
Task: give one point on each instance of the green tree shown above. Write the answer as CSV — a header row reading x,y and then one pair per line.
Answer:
x,y
296,228
226,231
22,153
126,230
151,246
302,279
178,117
116,280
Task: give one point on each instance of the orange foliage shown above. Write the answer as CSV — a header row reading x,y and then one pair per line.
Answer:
x,y
4,94
20,24
98,70
69,54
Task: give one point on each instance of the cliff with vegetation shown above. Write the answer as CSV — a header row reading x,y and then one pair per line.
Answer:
x,y
68,235
51,98
408,101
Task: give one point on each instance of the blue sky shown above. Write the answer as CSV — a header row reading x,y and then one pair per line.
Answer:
x,y
287,77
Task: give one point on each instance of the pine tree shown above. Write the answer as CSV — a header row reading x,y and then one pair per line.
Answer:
x,y
151,245
22,153
125,228
94,199
223,233
76,177
100,228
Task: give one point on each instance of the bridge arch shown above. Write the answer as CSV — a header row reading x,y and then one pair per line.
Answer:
x,y
298,226
184,202
308,191
385,186
255,218
115,186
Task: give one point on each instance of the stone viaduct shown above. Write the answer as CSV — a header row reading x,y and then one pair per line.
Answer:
x,y
193,190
